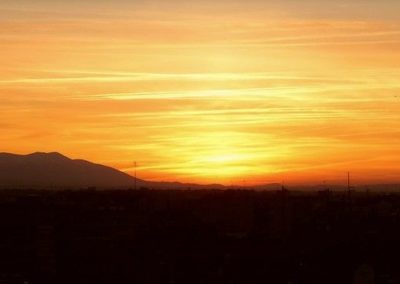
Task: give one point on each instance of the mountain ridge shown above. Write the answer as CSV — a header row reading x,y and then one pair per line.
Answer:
x,y
53,170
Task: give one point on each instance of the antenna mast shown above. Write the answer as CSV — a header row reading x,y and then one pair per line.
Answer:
x,y
348,181
135,164
348,187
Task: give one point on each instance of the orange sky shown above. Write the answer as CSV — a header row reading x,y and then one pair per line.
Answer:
x,y
198,91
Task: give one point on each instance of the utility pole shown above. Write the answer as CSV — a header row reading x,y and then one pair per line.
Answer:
x,y
348,181
348,187
135,164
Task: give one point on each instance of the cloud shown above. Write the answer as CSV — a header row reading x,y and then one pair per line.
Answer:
x,y
202,91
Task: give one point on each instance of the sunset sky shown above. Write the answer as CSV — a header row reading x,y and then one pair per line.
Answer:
x,y
233,92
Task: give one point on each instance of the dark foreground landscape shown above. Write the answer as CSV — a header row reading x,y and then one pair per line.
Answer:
x,y
206,236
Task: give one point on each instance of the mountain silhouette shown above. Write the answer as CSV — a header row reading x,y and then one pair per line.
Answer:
x,y
54,170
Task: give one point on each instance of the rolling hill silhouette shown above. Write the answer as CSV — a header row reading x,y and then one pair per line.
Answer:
x,y
53,170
